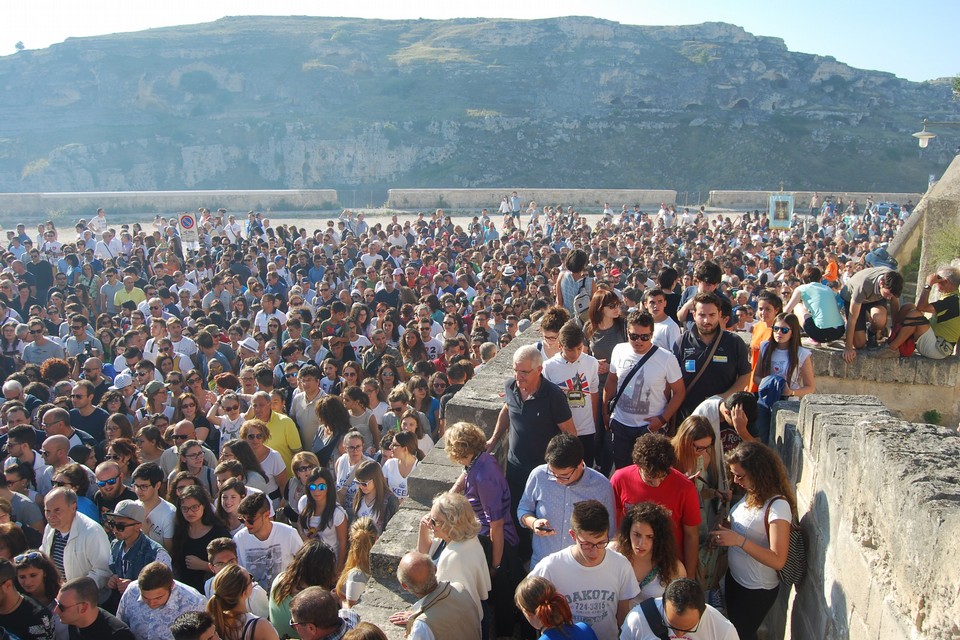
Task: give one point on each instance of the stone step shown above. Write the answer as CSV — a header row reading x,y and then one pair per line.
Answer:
x,y
382,599
398,538
435,474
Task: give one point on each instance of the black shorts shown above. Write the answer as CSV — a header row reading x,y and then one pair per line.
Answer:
x,y
864,317
822,335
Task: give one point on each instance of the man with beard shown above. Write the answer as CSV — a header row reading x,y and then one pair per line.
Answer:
x,y
710,369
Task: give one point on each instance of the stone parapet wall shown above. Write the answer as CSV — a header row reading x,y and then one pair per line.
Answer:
x,y
879,500
490,198
237,202
761,199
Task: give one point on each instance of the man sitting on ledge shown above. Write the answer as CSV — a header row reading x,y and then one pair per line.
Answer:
x,y
936,337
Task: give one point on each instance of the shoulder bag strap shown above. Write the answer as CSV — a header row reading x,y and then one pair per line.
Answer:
x,y
654,620
713,350
766,515
630,374
251,626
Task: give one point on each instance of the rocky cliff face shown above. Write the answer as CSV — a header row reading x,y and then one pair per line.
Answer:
x,y
575,102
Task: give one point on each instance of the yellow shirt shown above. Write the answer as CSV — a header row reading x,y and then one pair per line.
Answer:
x,y
284,438
136,294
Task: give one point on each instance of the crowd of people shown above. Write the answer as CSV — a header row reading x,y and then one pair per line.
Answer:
x,y
205,440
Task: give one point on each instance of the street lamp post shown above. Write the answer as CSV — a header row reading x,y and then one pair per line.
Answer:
x,y
924,137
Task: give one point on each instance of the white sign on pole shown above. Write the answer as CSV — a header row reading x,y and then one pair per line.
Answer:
x,y
188,228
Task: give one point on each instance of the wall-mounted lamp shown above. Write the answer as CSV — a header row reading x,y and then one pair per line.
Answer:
x,y
924,137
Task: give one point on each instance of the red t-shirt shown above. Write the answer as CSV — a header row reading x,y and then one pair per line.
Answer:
x,y
677,493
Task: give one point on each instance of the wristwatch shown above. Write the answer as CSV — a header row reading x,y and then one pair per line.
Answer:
x,y
927,287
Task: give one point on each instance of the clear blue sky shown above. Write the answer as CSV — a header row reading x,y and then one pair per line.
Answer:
x,y
882,34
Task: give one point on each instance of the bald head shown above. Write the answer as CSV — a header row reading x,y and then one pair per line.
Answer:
x,y
56,422
56,449
185,428
417,573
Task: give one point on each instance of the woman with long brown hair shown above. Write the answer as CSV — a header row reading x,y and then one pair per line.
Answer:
x,y
312,566
759,535
228,607
782,355
645,538
605,329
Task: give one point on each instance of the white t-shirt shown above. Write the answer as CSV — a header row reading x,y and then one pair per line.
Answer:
x,y
230,430
780,364
396,482
345,475
579,381
160,521
593,592
265,559
434,348
273,465
260,322
748,522
666,334
425,444
327,536
713,626
644,396
186,346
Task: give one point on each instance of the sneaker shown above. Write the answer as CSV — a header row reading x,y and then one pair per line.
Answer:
x,y
887,353
872,341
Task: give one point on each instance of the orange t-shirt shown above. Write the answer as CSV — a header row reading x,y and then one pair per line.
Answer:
x,y
761,333
833,271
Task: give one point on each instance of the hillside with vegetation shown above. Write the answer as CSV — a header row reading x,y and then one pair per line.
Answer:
x,y
344,103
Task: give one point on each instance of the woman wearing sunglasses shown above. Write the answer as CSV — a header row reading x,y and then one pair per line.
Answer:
x,y
321,517
781,355
255,433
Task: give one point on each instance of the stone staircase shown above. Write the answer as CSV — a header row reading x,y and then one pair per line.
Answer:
x,y
384,596
478,402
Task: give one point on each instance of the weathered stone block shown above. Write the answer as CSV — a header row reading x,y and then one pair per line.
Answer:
x,y
380,601
399,537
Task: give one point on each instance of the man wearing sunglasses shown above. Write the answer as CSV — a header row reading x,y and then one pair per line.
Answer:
x,y
682,612
264,547
110,489
41,349
20,614
130,550
76,604
650,396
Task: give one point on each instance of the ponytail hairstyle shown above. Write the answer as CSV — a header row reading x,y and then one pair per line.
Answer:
x,y
538,597
229,585
363,534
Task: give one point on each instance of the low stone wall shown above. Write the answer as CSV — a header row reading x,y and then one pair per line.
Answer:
x,y
908,386
879,500
761,199
490,198
165,202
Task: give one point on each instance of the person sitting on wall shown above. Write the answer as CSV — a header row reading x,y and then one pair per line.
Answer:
x,y
936,337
